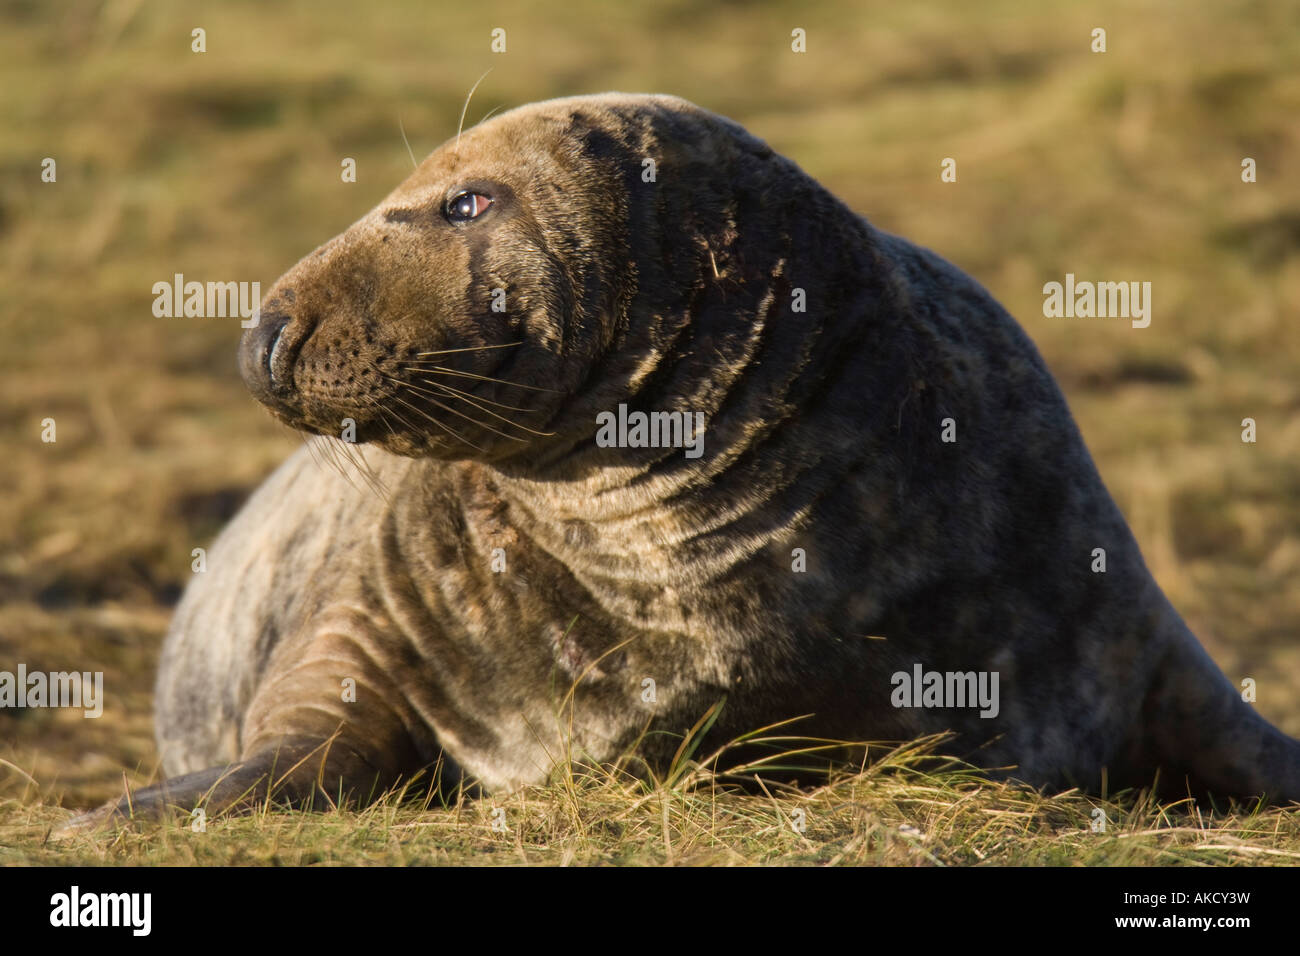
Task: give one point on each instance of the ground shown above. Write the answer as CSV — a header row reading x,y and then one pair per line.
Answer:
x,y
1122,165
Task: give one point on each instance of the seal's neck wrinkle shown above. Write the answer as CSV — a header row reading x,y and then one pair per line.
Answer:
x,y
768,346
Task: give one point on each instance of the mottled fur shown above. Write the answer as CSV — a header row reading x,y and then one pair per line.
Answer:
x,y
823,433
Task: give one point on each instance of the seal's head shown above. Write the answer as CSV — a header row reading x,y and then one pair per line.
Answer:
x,y
464,315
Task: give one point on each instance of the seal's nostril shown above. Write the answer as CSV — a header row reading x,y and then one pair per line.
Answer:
x,y
264,353
277,339
284,342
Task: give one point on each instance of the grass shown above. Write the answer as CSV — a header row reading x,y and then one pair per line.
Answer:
x,y
902,810
225,165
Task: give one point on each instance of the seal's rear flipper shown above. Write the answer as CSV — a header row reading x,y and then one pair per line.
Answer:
x,y
300,773
1207,740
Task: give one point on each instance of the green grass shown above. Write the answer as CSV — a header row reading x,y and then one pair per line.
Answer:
x,y
225,165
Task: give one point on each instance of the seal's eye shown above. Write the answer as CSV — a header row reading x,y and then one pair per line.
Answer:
x,y
467,206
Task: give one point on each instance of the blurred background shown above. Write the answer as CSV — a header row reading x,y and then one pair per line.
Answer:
x,y
225,165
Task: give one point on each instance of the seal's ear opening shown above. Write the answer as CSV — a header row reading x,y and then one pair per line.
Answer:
x,y
594,141
629,137
603,149
666,178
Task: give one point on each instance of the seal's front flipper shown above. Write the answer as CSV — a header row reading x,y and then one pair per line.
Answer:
x,y
304,773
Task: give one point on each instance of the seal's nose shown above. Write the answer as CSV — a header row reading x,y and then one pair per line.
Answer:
x,y
265,358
